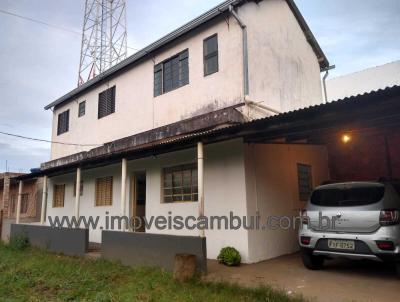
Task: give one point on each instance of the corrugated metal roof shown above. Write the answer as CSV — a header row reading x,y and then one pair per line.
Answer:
x,y
214,12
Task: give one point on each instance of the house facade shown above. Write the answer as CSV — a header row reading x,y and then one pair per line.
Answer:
x,y
135,139
196,72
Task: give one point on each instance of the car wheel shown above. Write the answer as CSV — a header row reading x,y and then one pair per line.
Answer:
x,y
310,261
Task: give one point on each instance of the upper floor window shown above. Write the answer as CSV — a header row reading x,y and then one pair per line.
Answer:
x,y
63,122
106,102
210,51
304,175
172,73
82,108
180,183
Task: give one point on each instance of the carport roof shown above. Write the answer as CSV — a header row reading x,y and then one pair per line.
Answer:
x,y
375,109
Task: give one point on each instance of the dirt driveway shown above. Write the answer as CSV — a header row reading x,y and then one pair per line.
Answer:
x,y
340,280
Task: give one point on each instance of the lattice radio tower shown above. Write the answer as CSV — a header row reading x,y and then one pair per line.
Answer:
x,y
104,38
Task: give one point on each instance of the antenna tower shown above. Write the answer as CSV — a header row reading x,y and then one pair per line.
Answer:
x,y
104,38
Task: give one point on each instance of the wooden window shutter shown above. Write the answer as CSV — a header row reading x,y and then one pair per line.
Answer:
x,y
104,191
58,196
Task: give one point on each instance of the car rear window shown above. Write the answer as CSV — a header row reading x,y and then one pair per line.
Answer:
x,y
347,197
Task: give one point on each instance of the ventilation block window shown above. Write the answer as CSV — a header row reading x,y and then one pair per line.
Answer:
x,y
304,175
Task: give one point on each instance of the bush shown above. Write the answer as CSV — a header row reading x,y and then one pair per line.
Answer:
x,y
229,256
19,243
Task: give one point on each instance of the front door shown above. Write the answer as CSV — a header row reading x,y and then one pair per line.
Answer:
x,y
139,198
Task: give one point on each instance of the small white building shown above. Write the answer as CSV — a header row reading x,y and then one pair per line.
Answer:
x,y
363,81
151,115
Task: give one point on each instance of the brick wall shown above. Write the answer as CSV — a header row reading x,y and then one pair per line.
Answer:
x,y
364,158
30,187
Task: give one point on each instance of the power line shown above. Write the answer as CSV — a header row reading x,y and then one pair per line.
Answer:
x,y
40,22
47,141
47,24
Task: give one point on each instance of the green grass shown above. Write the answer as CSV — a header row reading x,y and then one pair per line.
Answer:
x,y
35,275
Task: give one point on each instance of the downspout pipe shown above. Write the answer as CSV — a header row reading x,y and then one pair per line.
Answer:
x,y
324,80
245,51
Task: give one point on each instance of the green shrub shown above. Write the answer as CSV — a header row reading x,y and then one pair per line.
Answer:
x,y
19,243
229,256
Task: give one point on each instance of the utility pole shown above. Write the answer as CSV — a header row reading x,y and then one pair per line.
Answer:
x,y
104,37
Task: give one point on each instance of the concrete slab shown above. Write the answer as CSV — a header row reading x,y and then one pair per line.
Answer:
x,y
340,280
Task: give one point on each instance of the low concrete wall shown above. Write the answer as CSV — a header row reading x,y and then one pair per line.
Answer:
x,y
154,250
73,242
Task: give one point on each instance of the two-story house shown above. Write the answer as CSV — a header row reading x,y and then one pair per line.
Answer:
x,y
135,133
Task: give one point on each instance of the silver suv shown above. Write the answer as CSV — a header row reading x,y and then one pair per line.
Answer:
x,y
356,220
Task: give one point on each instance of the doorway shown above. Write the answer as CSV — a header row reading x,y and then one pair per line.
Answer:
x,y
139,198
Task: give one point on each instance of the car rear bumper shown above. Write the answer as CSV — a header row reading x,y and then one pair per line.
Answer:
x,y
365,244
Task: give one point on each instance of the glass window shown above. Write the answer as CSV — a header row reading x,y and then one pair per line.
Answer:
x,y
82,109
180,183
210,50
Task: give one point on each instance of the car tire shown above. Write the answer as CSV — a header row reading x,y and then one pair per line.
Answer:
x,y
310,261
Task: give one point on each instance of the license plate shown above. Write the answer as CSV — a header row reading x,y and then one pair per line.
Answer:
x,y
341,244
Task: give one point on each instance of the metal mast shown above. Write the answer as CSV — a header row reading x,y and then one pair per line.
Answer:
x,y
104,38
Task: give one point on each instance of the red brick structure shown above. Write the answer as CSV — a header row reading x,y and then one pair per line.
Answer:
x,y
31,196
368,156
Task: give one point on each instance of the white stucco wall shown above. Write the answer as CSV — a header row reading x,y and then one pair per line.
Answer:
x,y
225,191
87,200
283,71
271,171
364,81
137,110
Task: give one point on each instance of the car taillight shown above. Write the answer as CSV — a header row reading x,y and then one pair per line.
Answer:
x,y
305,240
385,245
389,217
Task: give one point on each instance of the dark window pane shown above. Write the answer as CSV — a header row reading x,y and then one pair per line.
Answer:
x,y
347,197
82,109
63,122
210,51
173,74
157,79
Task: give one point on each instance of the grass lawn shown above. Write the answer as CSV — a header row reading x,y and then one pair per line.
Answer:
x,y
34,275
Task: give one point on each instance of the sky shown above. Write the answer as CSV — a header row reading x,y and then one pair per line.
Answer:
x,y
38,63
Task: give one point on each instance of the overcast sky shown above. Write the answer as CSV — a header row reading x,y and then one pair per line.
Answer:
x,y
39,63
